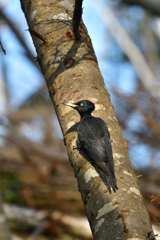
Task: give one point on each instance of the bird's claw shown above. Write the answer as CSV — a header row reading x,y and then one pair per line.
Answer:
x,y
75,148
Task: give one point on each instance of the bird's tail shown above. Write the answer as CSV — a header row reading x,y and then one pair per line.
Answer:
x,y
109,180
106,172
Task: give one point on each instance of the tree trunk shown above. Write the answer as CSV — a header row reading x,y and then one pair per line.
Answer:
x,y
71,72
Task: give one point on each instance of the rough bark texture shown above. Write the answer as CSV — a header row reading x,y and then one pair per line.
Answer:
x,y
72,73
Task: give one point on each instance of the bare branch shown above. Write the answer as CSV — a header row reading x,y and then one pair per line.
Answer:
x,y
18,35
77,17
2,48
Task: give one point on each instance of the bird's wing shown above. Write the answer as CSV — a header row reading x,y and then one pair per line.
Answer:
x,y
96,147
95,140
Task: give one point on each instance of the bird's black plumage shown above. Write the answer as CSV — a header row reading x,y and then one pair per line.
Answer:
x,y
93,142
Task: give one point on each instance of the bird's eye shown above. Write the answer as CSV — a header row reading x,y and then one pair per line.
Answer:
x,y
81,104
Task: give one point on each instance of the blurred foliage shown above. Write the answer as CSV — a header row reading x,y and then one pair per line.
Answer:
x,y
10,188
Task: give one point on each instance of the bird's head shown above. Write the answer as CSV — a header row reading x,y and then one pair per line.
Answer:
x,y
84,107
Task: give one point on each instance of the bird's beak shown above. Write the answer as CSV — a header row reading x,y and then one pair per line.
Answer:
x,y
71,104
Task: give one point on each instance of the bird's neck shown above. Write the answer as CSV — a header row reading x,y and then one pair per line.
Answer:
x,y
85,115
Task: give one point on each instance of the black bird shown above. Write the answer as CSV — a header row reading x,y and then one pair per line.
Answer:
x,y
93,142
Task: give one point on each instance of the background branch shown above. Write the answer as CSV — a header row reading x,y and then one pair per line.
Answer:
x,y
143,70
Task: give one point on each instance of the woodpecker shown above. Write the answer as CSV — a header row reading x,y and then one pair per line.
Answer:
x,y
93,142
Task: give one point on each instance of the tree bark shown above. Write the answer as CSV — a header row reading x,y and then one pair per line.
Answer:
x,y
71,72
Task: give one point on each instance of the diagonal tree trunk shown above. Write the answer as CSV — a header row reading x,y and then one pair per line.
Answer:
x,y
71,72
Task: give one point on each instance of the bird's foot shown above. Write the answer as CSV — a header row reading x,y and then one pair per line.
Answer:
x,y
76,148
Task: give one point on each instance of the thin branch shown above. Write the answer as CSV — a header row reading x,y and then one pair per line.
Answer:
x,y
2,48
77,17
18,35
